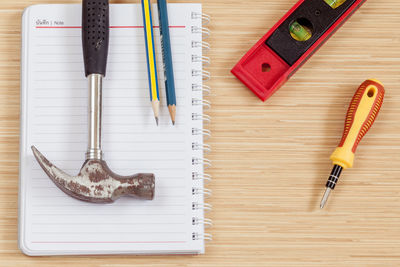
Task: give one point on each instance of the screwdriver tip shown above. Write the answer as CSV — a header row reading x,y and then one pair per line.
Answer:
x,y
173,122
156,120
325,197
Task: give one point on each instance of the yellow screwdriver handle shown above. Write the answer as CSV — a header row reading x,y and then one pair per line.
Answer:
x,y
363,110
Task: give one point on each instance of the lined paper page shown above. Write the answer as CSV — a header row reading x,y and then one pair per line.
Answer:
x,y
54,119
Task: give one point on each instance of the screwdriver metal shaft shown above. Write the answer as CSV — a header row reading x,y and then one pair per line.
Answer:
x,y
325,197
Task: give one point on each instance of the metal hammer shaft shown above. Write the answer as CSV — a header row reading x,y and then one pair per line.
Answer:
x,y
95,114
95,41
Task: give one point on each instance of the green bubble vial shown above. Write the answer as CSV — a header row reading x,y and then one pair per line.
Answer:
x,y
299,32
335,3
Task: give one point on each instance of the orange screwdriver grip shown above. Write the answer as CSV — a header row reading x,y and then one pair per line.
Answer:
x,y
362,112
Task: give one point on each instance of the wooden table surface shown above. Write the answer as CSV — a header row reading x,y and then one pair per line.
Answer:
x,y
270,160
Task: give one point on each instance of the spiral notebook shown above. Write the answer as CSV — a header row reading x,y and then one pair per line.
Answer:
x,y
54,119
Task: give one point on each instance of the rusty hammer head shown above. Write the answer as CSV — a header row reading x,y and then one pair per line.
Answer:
x,y
96,182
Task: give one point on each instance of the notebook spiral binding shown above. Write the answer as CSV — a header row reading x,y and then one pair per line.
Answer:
x,y
199,102
200,179
205,45
205,88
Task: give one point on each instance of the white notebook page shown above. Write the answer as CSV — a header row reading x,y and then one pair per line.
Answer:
x,y
54,119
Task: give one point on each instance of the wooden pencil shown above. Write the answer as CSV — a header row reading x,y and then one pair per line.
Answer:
x,y
151,58
167,58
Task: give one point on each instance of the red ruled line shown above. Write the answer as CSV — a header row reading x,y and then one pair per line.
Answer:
x,y
58,27
111,27
116,242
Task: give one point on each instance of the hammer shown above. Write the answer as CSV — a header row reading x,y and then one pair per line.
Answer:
x,y
95,182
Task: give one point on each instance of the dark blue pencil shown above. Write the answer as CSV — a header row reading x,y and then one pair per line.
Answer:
x,y
167,58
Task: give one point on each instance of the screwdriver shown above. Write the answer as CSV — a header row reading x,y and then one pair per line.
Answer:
x,y
362,112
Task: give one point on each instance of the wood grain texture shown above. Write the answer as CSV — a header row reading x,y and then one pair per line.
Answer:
x,y
270,160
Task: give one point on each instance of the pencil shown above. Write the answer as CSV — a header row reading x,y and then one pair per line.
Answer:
x,y
151,58
167,58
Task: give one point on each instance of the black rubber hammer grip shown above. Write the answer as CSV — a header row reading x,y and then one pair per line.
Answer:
x,y
95,35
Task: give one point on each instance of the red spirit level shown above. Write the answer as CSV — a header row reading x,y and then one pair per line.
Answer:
x,y
291,42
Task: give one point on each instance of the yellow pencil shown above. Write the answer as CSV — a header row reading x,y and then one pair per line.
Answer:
x,y
151,57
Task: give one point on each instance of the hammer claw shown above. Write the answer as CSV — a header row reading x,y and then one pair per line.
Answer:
x,y
96,183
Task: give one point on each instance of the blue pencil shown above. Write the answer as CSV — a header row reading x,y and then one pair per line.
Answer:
x,y
167,58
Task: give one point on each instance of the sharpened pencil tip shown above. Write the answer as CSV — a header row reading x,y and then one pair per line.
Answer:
x,y
156,108
172,112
